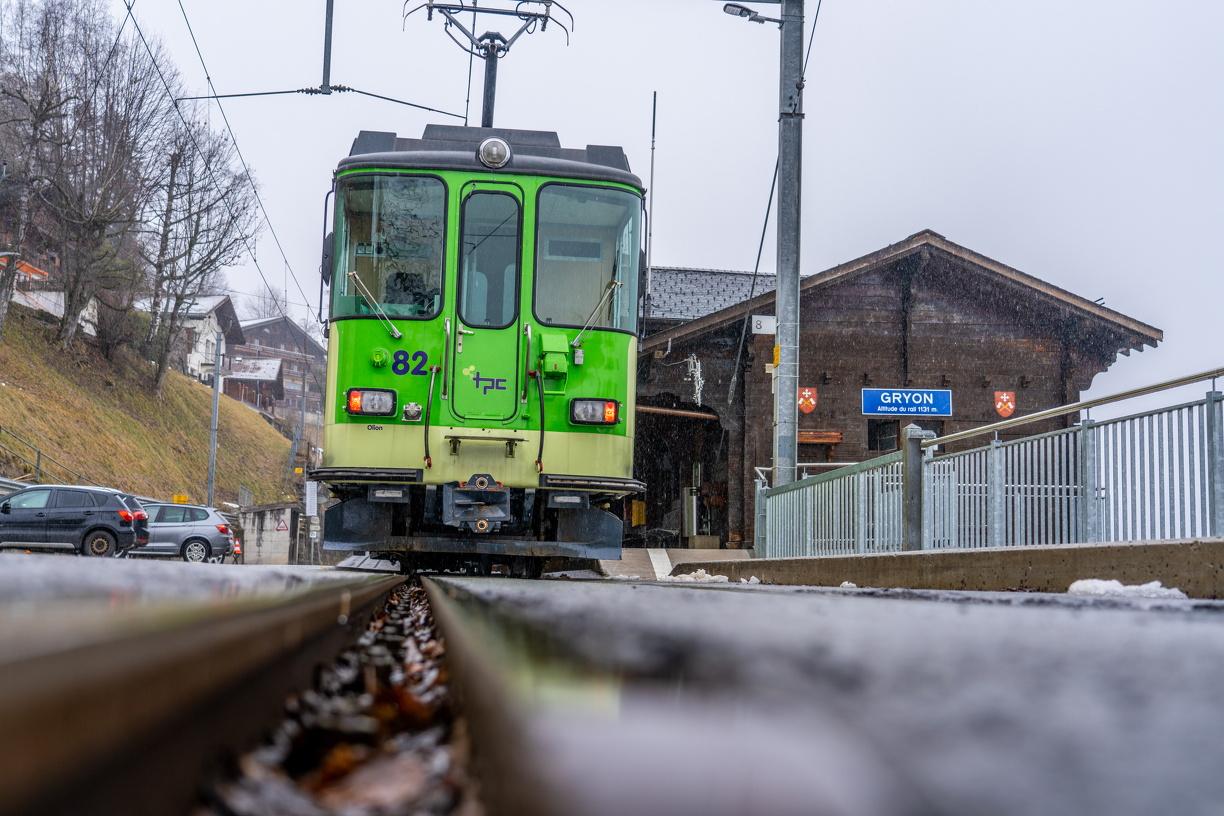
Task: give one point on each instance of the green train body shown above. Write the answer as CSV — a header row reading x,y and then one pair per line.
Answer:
x,y
482,346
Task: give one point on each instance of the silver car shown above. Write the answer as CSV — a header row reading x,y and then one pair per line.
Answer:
x,y
188,531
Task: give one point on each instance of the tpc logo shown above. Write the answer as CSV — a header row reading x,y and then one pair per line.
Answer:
x,y
486,384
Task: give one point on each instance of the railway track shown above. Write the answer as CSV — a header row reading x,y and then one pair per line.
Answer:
x,y
593,697
121,694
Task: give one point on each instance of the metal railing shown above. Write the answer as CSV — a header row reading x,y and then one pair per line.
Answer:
x,y
1156,474
43,467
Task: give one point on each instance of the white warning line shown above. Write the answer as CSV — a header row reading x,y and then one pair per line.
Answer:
x,y
660,562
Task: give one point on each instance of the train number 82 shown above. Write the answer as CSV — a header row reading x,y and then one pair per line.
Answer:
x,y
401,363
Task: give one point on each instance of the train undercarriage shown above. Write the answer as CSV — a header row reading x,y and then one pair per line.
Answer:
x,y
479,524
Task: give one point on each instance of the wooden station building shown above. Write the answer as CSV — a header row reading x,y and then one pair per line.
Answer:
x,y
922,313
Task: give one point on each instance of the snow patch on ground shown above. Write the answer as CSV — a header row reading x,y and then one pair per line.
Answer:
x,y
848,585
752,580
579,574
1097,587
698,577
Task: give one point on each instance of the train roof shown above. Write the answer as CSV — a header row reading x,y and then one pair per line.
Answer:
x,y
450,147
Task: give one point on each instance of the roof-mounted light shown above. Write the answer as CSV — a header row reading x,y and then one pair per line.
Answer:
x,y
494,153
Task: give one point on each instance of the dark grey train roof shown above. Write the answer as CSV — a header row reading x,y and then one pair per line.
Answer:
x,y
681,293
450,147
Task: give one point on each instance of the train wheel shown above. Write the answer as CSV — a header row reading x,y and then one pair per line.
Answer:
x,y
526,567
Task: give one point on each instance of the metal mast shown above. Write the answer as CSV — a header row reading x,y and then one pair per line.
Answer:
x,y
493,46
790,184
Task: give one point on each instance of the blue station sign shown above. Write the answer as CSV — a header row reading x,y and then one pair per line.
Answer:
x,y
907,402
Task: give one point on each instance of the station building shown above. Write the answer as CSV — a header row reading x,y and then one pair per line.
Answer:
x,y
922,313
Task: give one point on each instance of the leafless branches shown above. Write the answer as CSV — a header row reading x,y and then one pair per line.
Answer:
x,y
134,200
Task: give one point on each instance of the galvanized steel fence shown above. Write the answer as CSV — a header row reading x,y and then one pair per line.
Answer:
x,y
1152,475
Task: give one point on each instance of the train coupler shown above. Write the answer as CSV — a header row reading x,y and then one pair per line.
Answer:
x,y
479,505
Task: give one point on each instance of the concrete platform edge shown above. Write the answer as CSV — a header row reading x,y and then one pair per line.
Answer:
x,y
1194,566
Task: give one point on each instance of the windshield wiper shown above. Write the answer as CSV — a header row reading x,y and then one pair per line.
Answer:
x,y
608,290
365,294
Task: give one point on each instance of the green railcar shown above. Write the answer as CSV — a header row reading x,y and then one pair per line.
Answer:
x,y
482,346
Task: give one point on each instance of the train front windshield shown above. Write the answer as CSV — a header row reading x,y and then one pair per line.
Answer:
x,y
390,233
587,257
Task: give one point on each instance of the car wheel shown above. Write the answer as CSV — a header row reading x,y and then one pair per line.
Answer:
x,y
195,551
98,544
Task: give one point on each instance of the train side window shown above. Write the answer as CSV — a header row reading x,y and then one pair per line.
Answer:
x,y
489,260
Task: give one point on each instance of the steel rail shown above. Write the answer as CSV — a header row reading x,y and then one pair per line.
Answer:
x,y
129,721
1082,405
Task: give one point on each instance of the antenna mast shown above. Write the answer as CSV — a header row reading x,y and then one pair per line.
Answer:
x,y
492,46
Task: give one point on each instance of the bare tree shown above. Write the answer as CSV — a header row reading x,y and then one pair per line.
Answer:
x,y
270,302
33,99
207,217
97,179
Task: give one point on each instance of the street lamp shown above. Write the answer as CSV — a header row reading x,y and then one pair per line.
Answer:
x,y
790,149
736,10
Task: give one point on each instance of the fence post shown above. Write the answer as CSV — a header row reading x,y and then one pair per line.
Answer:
x,y
861,488
760,540
37,465
911,485
1087,527
996,495
1215,462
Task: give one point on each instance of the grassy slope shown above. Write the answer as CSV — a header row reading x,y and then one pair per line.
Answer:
x,y
100,419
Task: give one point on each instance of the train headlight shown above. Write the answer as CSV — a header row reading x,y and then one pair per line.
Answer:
x,y
412,412
494,153
371,401
594,412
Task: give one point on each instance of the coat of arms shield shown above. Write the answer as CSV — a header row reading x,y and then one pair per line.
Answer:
x,y
1005,403
807,400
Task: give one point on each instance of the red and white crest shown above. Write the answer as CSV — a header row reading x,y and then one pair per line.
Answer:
x,y
1005,403
807,400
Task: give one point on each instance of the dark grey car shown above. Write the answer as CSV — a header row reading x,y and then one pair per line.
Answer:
x,y
188,531
96,521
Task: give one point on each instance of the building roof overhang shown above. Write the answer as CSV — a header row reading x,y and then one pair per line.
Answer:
x,y
1132,334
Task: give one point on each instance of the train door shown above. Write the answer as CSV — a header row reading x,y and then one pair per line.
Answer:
x,y
486,341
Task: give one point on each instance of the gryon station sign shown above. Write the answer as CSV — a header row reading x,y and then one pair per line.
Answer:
x,y
907,402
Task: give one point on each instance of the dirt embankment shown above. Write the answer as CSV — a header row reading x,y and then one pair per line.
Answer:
x,y
98,420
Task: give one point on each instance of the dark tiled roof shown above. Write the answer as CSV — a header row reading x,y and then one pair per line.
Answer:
x,y
680,293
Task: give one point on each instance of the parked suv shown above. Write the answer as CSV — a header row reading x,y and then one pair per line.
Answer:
x,y
96,521
189,531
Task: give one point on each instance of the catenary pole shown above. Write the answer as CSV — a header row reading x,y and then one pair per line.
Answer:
x,y
490,84
790,182
325,87
216,408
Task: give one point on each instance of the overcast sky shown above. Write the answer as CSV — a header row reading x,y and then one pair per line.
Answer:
x,y
1080,142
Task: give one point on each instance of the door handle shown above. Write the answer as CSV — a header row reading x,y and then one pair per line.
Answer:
x,y
459,332
40,515
526,361
445,355
89,512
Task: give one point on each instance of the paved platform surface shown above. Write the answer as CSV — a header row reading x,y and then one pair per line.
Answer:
x,y
759,699
1196,566
654,563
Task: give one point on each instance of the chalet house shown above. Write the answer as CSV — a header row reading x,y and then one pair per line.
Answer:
x,y
35,288
303,368
258,383
194,353
205,317
922,313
